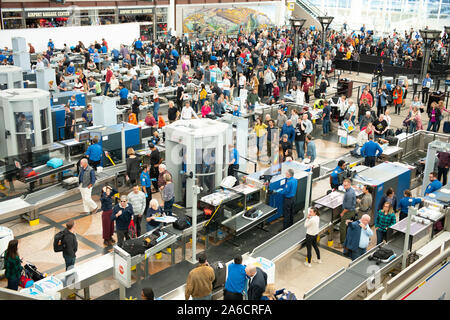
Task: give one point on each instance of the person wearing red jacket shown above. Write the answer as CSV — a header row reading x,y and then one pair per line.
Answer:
x,y
109,74
276,91
308,84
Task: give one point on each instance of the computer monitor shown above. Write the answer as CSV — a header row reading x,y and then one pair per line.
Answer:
x,y
84,136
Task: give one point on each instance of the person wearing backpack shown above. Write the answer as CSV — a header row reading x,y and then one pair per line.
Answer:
x,y
384,220
13,265
70,244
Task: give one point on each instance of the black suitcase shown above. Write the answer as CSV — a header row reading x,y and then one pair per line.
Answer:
x,y
446,127
33,272
382,255
134,246
220,273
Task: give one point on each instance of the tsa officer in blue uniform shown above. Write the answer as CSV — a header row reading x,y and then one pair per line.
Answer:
x,y
370,151
146,184
434,185
334,181
94,153
406,202
288,192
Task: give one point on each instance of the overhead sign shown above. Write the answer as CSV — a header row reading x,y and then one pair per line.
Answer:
x,y
47,14
135,11
290,6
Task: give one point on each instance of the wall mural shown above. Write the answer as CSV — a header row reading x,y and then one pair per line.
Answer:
x,y
228,20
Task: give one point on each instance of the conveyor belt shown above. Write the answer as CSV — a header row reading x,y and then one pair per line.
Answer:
x,y
238,224
349,159
282,243
162,282
342,284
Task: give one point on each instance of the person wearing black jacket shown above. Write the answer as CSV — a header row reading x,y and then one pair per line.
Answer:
x,y
155,161
389,197
180,96
257,283
133,165
135,107
70,245
122,214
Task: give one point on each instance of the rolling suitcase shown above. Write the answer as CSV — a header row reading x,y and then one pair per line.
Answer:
x,y
446,126
220,273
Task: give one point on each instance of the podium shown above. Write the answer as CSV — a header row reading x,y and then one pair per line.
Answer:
x,y
345,87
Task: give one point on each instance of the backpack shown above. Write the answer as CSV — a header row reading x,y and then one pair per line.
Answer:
x,y
58,244
382,255
288,296
181,223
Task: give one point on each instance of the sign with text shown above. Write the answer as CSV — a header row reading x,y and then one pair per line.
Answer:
x,y
47,14
135,11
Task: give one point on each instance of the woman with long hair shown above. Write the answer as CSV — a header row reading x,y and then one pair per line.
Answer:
x,y
312,230
13,265
384,220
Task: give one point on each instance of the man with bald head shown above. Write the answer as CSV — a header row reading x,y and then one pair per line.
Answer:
x,y
87,181
358,236
257,283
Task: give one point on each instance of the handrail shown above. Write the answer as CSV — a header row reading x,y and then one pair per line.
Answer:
x,y
308,5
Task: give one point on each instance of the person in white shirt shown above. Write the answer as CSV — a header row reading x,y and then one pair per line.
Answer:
x,y
187,112
351,111
242,81
387,117
137,200
307,123
226,86
343,106
312,230
294,117
114,83
299,96
156,71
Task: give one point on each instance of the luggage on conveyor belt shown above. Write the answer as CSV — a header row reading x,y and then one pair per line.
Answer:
x,y
220,273
70,183
392,140
182,223
134,246
33,272
383,255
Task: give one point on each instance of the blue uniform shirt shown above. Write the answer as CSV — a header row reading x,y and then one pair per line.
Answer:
x,y
123,93
349,202
234,154
70,70
433,186
51,45
236,113
73,103
404,203
94,152
145,179
290,188
236,278
370,148
334,175
138,44
115,53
